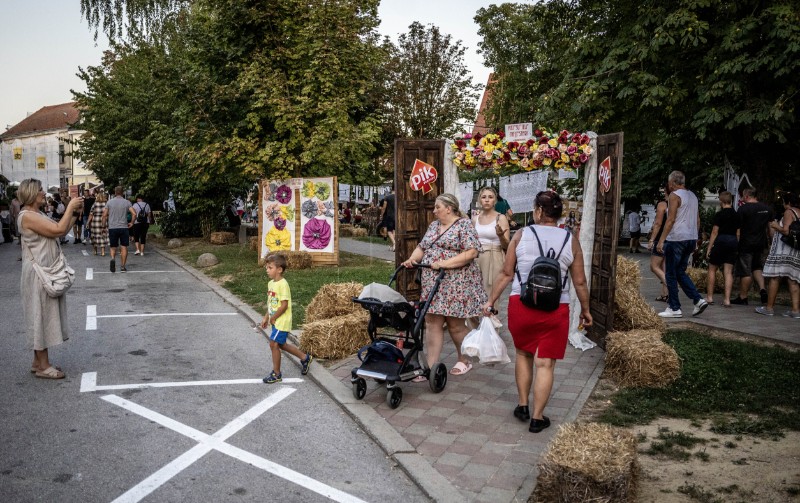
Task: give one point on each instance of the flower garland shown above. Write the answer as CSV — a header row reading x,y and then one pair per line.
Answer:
x,y
545,150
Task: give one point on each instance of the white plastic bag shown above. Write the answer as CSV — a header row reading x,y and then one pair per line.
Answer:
x,y
485,344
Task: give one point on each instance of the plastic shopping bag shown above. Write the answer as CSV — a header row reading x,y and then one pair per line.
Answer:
x,y
485,344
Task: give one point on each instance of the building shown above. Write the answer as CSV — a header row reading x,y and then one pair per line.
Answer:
x,y
480,121
42,145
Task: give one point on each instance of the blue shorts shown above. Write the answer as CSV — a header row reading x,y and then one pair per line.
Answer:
x,y
117,237
278,336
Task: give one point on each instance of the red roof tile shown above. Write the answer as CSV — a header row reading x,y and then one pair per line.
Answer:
x,y
45,119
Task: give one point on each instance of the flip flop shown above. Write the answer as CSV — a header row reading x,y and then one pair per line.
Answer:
x,y
459,369
50,373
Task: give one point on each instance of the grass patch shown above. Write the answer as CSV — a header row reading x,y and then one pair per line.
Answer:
x,y
697,493
674,445
244,278
759,386
375,240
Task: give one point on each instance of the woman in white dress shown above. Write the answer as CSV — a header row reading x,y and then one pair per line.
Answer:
x,y
494,235
783,260
45,317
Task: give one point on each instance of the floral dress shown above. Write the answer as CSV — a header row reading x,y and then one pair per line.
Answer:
x,y
461,292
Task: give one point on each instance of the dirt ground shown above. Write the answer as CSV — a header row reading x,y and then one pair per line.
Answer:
x,y
726,468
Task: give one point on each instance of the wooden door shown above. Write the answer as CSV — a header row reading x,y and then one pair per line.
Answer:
x,y
414,210
604,254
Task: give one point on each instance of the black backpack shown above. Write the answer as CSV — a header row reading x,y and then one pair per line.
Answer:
x,y
542,289
381,351
141,215
793,238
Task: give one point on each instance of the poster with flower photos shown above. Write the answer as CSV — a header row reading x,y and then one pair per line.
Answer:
x,y
300,214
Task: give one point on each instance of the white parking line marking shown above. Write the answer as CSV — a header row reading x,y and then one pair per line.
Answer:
x,y
91,317
89,383
140,272
207,443
89,274
85,253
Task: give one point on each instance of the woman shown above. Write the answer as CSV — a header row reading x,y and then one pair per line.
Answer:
x,y
571,222
99,230
450,243
722,248
657,263
783,260
45,317
540,337
493,234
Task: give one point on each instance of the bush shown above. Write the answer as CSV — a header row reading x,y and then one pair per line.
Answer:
x,y
179,225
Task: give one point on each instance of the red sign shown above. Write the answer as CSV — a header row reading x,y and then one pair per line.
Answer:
x,y
604,174
423,175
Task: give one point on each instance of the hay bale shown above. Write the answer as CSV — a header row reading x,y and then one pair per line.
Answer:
x,y
641,359
223,238
334,299
336,337
631,310
359,232
253,243
589,462
298,260
346,230
700,279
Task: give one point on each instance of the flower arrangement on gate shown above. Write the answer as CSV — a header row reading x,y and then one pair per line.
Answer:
x,y
545,150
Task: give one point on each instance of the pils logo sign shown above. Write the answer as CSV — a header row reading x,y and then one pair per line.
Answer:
x,y
423,175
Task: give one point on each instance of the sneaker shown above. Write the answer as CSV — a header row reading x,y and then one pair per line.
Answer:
x,y
272,378
699,307
739,301
136,253
763,294
669,313
113,265
522,412
304,364
790,314
766,312
538,425
123,269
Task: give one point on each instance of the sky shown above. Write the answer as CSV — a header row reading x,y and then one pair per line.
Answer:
x,y
45,42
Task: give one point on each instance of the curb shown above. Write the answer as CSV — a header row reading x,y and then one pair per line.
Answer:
x,y
418,469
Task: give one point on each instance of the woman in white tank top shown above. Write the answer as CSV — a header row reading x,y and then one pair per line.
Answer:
x,y
493,233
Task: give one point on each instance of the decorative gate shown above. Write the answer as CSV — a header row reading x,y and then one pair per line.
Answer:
x,y
414,210
604,255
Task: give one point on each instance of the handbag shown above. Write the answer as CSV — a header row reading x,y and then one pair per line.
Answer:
x,y
57,278
793,238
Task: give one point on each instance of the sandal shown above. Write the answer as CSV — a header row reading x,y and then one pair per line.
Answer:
x,y
50,373
460,368
420,379
36,369
663,298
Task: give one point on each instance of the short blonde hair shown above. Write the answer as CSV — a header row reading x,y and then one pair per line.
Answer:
x,y
28,191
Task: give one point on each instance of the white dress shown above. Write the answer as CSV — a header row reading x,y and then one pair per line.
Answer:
x,y
783,261
45,317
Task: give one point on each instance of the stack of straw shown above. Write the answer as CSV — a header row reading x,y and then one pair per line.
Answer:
x,y
640,358
631,311
588,462
335,326
700,279
334,299
223,238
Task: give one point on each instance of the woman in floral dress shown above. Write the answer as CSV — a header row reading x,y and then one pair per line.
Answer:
x,y
99,232
451,243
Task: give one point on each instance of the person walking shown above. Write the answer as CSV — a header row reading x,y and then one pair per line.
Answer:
x,y
387,217
677,243
115,217
279,317
540,337
97,226
45,317
754,218
783,260
657,263
141,224
635,228
722,248
493,234
88,201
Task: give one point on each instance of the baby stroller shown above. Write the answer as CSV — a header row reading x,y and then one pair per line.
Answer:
x,y
395,357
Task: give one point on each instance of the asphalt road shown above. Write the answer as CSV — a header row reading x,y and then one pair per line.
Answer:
x,y
131,422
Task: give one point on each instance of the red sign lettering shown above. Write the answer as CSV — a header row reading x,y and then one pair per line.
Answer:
x,y
423,175
604,174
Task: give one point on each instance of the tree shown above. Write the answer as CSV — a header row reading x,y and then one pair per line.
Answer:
x,y
428,89
690,83
138,16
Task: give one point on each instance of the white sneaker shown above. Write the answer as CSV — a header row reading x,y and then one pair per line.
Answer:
x,y
699,307
137,253
669,313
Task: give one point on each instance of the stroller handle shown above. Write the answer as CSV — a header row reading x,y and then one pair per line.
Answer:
x,y
401,267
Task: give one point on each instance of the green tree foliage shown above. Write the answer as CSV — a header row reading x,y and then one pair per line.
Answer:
x,y
428,88
137,16
690,82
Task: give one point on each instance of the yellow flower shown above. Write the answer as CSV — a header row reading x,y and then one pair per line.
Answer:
x,y
309,189
553,143
547,161
278,240
564,157
559,164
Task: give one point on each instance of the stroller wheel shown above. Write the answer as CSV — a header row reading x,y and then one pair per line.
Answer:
x,y
438,378
394,397
359,388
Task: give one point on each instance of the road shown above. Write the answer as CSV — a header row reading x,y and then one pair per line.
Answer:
x,y
163,402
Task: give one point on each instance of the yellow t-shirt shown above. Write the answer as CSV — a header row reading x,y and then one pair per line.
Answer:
x,y
279,291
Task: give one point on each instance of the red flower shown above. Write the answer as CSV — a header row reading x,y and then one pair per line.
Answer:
x,y
461,143
571,149
478,137
583,158
543,139
501,134
537,163
507,156
537,132
576,138
576,164
530,142
584,139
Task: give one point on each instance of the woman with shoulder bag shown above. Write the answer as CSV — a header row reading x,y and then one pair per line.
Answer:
x,y
783,260
493,233
45,316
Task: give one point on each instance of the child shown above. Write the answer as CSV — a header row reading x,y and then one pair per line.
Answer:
x,y
279,315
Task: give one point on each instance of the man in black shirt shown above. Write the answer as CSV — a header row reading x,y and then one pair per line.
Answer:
x,y
387,216
754,217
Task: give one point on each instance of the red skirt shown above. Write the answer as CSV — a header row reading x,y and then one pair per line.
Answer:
x,y
534,330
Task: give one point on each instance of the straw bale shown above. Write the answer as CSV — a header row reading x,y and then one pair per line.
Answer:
x,y
589,462
631,310
336,337
223,238
253,242
334,299
700,279
346,230
297,260
640,358
359,232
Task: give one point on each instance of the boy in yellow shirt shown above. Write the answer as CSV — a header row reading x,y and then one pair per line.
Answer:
x,y
279,315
